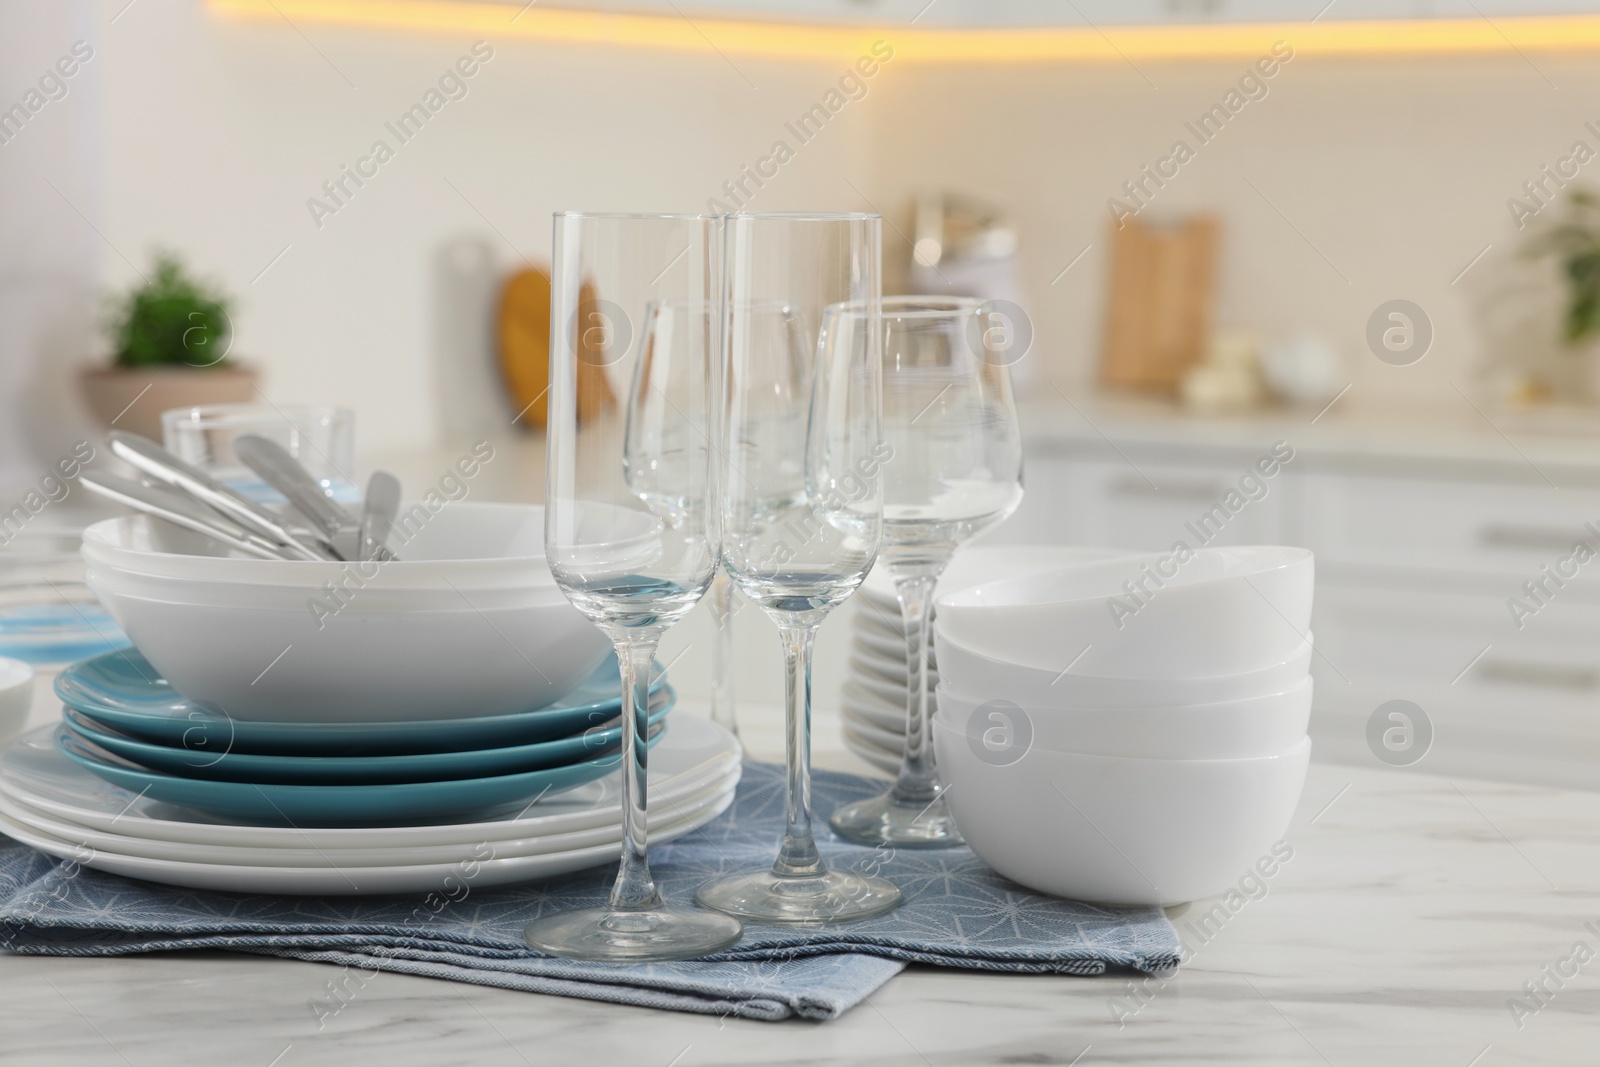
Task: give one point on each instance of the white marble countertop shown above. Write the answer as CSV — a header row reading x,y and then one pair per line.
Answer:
x,y
1412,909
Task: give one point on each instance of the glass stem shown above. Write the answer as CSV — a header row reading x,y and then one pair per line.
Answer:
x,y
918,781
798,857
722,711
635,890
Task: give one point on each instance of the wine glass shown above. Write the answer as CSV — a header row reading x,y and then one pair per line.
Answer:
x,y
949,415
801,508
627,531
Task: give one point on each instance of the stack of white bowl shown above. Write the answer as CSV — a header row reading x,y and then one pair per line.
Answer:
x,y
1130,730
873,702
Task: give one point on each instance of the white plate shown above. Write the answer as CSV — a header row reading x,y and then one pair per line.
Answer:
x,y
665,820
890,670
888,740
862,703
868,638
481,868
693,754
893,692
886,761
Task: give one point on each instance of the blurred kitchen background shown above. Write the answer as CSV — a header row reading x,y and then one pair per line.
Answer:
x,y
1357,254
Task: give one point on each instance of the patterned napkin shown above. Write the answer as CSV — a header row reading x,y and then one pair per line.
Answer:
x,y
958,913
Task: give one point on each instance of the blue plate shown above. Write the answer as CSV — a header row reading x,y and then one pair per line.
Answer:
x,y
358,770
123,691
402,804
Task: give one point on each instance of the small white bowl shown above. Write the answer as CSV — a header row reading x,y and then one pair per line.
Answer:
x,y
1234,729
289,664
975,674
1113,830
16,696
1223,611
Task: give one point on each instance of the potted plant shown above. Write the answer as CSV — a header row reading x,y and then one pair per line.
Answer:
x,y
170,339
1575,244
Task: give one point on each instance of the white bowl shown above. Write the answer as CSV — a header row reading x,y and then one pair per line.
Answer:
x,y
1234,729
1224,611
1114,830
360,665
983,676
16,696
376,594
462,545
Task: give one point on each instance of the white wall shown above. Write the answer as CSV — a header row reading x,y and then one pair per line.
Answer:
x,y
49,173
1396,171
220,130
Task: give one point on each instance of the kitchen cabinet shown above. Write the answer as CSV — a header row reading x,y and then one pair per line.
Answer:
x,y
1425,538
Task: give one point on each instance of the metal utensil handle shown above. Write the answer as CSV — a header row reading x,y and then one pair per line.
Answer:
x,y
180,511
285,474
151,459
382,504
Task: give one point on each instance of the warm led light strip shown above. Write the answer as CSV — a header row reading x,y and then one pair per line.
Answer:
x,y
498,20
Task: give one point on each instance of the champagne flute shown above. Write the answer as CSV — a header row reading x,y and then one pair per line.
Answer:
x,y
801,508
949,415
775,328
627,531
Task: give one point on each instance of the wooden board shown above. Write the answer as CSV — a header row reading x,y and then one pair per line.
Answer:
x,y
1158,313
524,344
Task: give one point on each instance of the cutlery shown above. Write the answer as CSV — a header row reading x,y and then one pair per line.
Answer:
x,y
183,511
377,517
285,474
156,462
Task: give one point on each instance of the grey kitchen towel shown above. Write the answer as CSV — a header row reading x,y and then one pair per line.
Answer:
x,y
958,913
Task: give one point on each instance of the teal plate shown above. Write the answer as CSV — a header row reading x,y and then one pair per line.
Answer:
x,y
123,691
402,804
359,770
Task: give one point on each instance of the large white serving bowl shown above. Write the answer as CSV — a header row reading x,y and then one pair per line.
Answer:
x,y
1233,729
461,545
1224,611
290,664
1115,830
990,678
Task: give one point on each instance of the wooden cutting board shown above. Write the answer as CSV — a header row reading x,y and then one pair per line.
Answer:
x,y
524,345
1159,310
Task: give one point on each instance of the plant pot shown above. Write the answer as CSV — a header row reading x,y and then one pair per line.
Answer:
x,y
133,398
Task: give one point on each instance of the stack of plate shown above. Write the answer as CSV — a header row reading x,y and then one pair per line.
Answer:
x,y
873,704
140,781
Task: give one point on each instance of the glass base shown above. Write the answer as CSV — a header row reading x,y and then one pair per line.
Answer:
x,y
813,900
613,935
883,820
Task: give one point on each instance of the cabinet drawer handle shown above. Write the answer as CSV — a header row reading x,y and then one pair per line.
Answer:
x,y
1543,675
1540,538
1128,485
